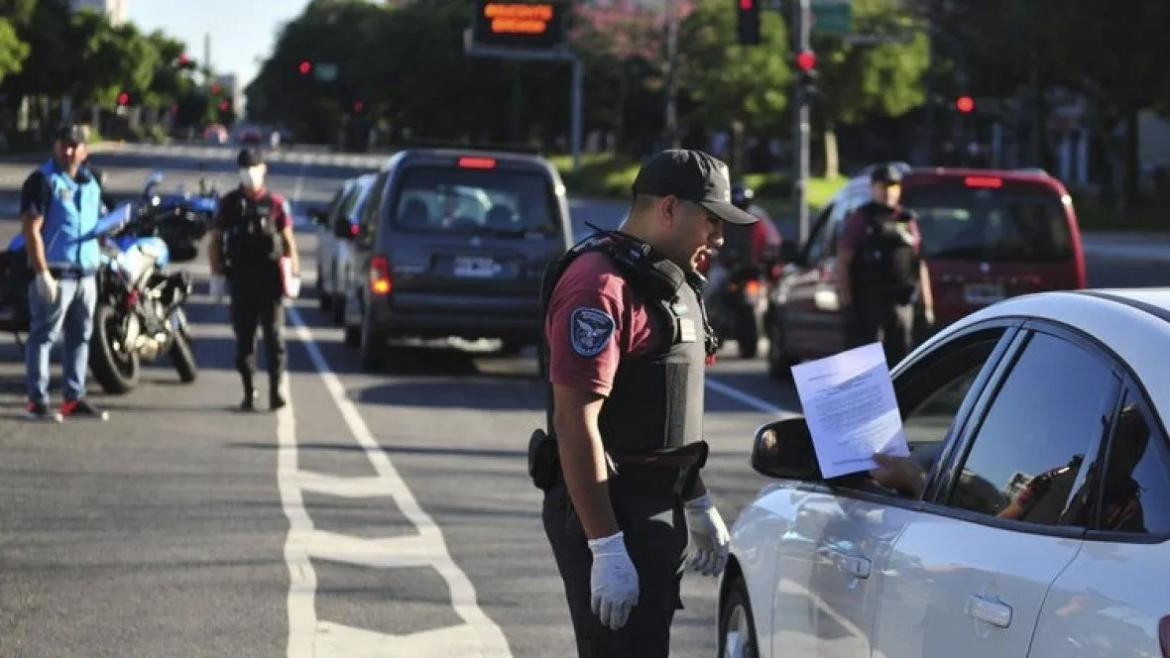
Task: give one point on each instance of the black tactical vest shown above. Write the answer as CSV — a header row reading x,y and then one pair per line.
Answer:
x,y
887,262
252,242
657,396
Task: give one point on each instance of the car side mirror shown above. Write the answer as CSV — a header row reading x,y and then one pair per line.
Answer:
x,y
784,449
342,228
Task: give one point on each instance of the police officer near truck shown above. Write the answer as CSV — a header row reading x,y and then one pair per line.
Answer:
x,y
880,276
627,341
252,231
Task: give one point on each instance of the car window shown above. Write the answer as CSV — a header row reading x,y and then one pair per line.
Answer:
x,y
1026,459
932,392
335,204
369,210
351,202
815,240
450,200
1136,493
1012,222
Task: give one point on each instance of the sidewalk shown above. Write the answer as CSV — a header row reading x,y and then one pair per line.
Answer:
x,y
1131,246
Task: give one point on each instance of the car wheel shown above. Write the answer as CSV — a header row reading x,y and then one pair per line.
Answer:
x,y
747,335
779,363
338,311
372,345
737,629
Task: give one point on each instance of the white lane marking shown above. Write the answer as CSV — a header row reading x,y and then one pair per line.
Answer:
x,y
298,187
477,636
744,398
302,616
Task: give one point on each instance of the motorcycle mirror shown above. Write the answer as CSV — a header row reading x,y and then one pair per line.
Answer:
x,y
155,178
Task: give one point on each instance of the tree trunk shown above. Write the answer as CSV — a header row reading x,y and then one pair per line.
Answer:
x,y
832,161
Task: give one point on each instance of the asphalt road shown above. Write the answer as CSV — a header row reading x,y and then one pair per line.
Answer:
x,y
380,514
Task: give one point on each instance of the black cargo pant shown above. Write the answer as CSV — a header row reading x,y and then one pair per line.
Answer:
x,y
256,301
875,317
656,538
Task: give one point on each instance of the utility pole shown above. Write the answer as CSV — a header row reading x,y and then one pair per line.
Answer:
x,y
803,22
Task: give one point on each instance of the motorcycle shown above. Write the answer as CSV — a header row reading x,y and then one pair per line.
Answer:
x,y
139,314
181,219
736,299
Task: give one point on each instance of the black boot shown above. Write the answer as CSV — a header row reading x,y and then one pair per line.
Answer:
x,y
249,402
275,400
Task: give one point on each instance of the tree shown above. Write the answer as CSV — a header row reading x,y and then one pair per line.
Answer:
x,y
727,83
109,60
13,51
860,81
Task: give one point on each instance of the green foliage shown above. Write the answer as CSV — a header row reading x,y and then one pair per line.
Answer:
x,y
110,60
730,82
856,81
13,51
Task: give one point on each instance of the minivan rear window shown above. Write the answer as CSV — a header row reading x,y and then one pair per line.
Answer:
x,y
435,199
1022,223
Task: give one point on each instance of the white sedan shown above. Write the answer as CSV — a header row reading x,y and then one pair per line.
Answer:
x,y
1042,529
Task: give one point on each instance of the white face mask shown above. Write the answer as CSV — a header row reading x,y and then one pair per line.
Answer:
x,y
252,177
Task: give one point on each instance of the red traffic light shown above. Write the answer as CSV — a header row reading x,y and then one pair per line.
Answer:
x,y
215,89
965,104
306,67
123,98
183,59
806,60
224,106
746,5
358,106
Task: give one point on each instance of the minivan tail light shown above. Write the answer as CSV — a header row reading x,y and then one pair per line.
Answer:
x,y
380,282
354,229
983,181
468,162
1164,635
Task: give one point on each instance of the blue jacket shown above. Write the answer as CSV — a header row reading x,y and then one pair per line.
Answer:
x,y
70,219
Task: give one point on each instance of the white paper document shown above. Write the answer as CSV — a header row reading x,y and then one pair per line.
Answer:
x,y
851,410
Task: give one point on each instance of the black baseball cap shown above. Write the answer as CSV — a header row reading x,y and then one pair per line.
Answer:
x,y
886,173
249,158
69,134
692,175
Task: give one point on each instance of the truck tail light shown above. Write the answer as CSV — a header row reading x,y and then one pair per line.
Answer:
x,y
381,282
983,181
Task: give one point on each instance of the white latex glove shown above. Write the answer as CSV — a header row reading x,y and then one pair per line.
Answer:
x,y
710,541
46,286
929,316
613,582
218,288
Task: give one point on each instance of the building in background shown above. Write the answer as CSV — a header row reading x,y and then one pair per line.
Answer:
x,y
115,10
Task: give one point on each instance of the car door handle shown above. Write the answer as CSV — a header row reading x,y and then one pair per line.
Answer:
x,y
993,612
849,562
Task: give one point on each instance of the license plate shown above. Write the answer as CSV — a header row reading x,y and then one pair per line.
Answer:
x,y
476,267
983,293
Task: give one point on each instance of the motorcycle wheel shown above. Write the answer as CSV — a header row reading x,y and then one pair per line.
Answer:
x,y
747,335
183,359
113,367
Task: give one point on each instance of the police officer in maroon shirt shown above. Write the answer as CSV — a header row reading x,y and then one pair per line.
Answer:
x,y
627,342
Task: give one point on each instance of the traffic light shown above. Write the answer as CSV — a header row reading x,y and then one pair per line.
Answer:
x,y
748,21
806,71
216,88
965,104
123,98
305,67
358,106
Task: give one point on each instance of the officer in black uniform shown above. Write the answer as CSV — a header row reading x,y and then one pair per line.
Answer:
x,y
627,342
252,230
880,275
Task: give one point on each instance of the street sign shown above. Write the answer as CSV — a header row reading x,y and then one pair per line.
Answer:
x,y
528,25
832,17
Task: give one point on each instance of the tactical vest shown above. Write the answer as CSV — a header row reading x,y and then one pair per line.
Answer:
x,y
887,262
657,396
251,240
70,219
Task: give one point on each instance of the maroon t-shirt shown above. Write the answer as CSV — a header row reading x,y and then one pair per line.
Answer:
x,y
594,319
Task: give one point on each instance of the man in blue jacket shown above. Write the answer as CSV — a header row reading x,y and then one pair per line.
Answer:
x,y
59,208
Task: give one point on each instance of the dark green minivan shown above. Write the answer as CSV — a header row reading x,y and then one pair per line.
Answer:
x,y
454,243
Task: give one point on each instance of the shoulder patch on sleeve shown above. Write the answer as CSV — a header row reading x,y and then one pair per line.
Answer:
x,y
590,330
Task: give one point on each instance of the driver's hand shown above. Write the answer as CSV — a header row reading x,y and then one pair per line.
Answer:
x,y
899,473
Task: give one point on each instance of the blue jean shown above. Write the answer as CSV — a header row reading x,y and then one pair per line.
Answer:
x,y
73,312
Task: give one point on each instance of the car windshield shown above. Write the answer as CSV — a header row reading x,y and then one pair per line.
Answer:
x,y
1008,223
445,200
